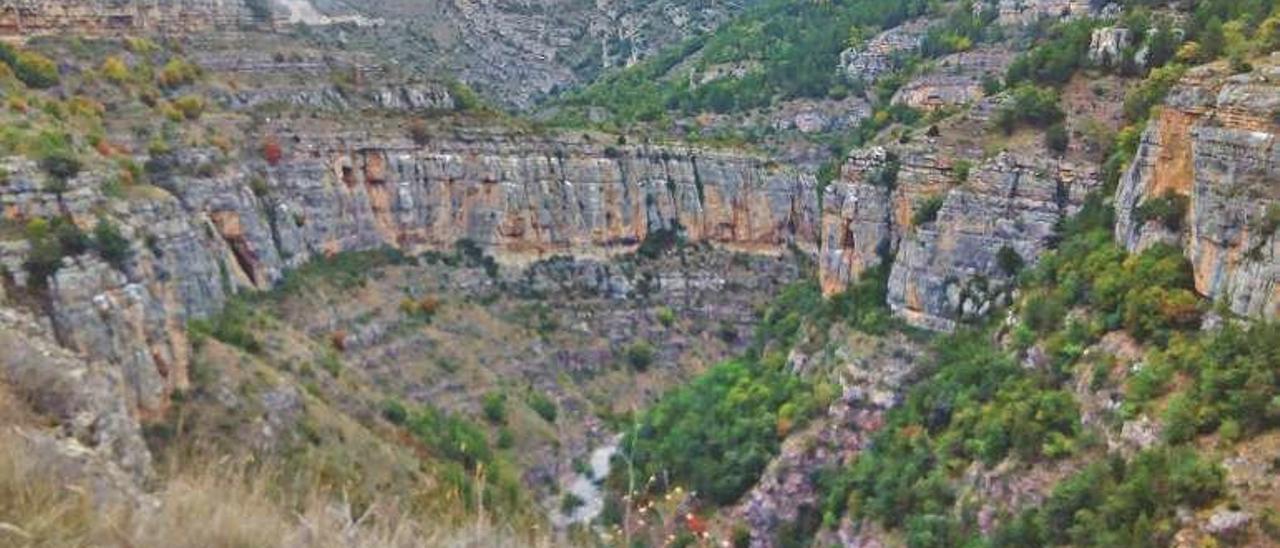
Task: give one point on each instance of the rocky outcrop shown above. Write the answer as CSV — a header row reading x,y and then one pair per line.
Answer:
x,y
872,372
87,398
1213,143
954,80
426,97
1107,45
881,54
1025,12
957,261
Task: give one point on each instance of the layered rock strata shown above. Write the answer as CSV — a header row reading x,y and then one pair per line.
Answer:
x,y
1213,144
199,238
958,260
25,18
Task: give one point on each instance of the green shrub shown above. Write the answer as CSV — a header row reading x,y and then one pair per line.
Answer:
x,y
452,437
1234,378
1009,260
927,211
494,405
35,70
1170,209
570,503
794,45
659,241
233,325
640,355
543,406
1056,138
112,246
395,412
178,72
716,434
1141,99
885,176
190,106
1029,105
50,241
961,170
506,439
61,165
666,316
1055,61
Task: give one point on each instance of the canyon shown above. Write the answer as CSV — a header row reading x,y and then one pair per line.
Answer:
x,y
387,237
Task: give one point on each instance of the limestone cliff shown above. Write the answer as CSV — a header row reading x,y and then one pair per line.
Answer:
x,y
202,236
25,18
1213,144
956,260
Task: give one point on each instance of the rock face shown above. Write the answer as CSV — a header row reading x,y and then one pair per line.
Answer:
x,y
879,56
959,263
1214,144
872,373
1107,45
26,18
205,237
86,397
957,80
1025,12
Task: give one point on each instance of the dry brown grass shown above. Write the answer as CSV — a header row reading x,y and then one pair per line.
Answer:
x,y
213,504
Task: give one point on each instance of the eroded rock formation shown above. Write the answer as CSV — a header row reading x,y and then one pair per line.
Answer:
x,y
958,260
201,237
26,18
1213,144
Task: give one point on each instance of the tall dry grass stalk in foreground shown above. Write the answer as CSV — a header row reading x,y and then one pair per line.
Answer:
x,y
210,504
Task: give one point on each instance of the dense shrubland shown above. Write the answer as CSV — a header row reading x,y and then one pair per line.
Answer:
x,y
788,49
716,434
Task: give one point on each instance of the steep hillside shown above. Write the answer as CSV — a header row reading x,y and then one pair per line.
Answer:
x,y
518,53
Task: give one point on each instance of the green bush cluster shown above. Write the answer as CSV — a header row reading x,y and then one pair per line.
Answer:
x,y
50,241
451,437
30,67
1150,294
178,72
640,355
1119,503
661,240
344,270
1170,209
494,405
963,27
1235,374
111,244
792,47
716,434
543,406
977,404
927,211
53,239
233,326
1029,105
1065,50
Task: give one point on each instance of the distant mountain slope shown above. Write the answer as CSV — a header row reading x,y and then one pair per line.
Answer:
x,y
518,51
